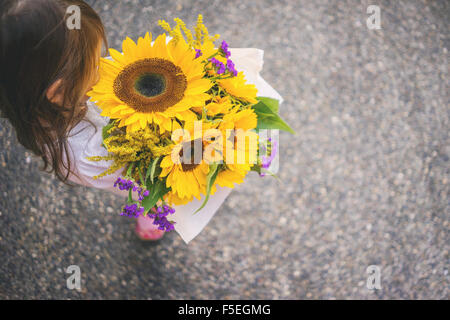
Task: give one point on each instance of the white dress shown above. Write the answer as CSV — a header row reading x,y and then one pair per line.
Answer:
x,y
87,143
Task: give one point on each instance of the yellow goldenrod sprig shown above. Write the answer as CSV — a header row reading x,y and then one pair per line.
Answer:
x,y
124,148
201,32
166,26
187,32
198,31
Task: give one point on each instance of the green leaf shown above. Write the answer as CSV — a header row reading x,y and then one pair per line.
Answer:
x,y
105,129
152,169
262,110
267,119
130,168
157,191
105,133
273,123
210,179
130,195
273,104
140,173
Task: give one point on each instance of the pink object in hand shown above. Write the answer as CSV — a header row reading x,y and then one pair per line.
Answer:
x,y
146,230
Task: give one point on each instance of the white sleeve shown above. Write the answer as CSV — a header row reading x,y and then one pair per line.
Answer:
x,y
87,142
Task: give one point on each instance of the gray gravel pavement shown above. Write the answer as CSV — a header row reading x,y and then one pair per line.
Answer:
x,y
365,181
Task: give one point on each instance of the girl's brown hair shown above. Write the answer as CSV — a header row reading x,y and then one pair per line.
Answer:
x,y
37,49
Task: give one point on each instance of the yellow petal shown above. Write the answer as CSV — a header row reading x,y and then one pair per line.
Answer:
x,y
117,56
160,47
129,49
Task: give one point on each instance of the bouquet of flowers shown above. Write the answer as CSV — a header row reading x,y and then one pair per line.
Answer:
x,y
183,120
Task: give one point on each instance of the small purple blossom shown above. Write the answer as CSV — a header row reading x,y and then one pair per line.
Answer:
x,y
142,193
164,224
224,49
219,65
124,184
231,68
198,53
222,68
160,215
132,211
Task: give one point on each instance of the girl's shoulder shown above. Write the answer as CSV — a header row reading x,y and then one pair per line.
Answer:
x,y
88,133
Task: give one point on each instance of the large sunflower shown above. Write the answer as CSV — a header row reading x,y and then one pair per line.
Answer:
x,y
151,83
187,179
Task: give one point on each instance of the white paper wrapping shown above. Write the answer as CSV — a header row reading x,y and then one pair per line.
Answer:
x,y
85,142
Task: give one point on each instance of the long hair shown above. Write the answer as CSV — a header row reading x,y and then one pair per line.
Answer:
x,y
37,49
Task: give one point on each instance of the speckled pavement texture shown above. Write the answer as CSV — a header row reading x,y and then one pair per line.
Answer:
x,y
365,181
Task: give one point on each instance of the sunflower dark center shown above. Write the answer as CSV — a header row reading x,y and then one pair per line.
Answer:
x,y
188,151
150,85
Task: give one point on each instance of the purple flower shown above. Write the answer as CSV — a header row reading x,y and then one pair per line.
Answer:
x,y
152,213
124,184
132,211
219,65
160,214
224,49
164,224
198,53
231,68
142,193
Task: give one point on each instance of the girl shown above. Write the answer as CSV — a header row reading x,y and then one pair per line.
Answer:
x,y
46,70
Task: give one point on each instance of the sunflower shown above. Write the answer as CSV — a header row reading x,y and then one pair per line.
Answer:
x,y
151,83
237,86
238,158
187,179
